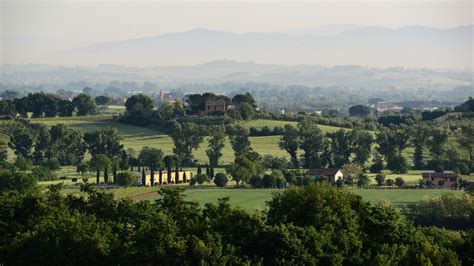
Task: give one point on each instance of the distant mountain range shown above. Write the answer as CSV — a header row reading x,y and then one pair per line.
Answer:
x,y
413,46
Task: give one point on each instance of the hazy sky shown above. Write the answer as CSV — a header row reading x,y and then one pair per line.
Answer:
x,y
32,28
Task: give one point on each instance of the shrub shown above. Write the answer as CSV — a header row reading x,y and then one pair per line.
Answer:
x,y
53,164
23,163
201,178
390,182
400,182
125,179
44,174
74,179
220,180
380,178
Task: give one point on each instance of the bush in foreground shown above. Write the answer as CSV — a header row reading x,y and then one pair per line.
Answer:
x,y
316,224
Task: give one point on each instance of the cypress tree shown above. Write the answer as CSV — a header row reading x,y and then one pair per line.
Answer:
x,y
176,175
143,177
199,170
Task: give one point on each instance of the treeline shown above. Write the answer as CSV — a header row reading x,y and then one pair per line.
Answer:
x,y
48,105
317,224
140,110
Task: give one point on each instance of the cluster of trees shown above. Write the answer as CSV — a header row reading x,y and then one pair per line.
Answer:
x,y
392,141
317,224
140,108
48,105
321,151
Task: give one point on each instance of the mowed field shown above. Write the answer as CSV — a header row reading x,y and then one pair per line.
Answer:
x,y
255,199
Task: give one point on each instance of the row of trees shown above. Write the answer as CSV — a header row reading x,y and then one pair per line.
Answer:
x,y
317,224
48,105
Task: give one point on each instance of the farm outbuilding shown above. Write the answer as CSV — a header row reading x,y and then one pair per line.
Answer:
x,y
332,174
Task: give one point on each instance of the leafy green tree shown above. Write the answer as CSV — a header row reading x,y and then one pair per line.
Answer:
x,y
104,141
290,142
44,174
437,141
359,110
125,179
465,139
244,98
362,144
243,169
216,144
42,149
341,147
13,180
220,179
311,141
7,108
391,143
84,105
390,182
21,142
239,141
67,145
153,158
139,104
419,138
3,151
23,164
246,111
186,138
201,178
380,178
82,168
400,182
102,100
362,180
101,162
398,164
377,164
66,108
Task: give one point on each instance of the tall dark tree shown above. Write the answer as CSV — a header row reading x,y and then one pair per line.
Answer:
x,y
466,139
21,142
102,100
436,142
186,138
101,162
7,108
419,137
239,139
311,142
391,143
85,105
216,144
290,142
66,108
359,110
67,145
3,151
43,149
139,103
153,158
362,145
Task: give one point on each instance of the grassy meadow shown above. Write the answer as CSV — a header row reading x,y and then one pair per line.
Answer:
x,y
255,199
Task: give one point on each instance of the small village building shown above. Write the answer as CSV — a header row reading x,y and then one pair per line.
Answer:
x,y
220,105
442,180
183,177
332,174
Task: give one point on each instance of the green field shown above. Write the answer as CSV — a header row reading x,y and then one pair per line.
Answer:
x,y
252,199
